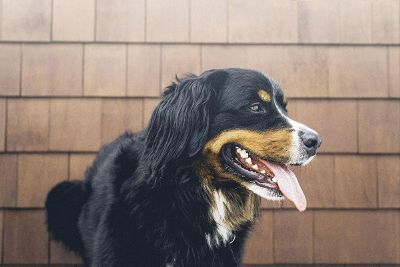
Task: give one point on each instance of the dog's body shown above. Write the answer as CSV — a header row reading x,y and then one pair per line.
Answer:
x,y
172,195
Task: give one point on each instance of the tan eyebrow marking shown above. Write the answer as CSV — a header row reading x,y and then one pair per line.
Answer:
x,y
264,95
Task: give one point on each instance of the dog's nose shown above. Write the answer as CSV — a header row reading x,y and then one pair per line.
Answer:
x,y
311,140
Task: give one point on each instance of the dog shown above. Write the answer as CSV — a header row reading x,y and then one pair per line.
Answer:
x,y
186,190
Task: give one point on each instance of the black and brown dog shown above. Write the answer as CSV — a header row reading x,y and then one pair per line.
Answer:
x,y
186,190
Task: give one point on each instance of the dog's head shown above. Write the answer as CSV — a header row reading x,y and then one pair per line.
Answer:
x,y
235,121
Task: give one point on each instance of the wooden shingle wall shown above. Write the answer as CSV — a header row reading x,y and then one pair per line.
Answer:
x,y
76,73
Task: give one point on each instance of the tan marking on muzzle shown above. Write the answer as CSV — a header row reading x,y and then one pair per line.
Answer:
x,y
272,144
264,96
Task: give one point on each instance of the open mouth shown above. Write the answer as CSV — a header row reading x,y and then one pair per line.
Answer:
x,y
273,180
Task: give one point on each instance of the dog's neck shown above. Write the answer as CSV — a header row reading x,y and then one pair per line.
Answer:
x,y
231,207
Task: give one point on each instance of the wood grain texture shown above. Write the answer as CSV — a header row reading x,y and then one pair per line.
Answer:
x,y
1,230
73,20
54,69
144,70
10,69
377,21
319,21
259,245
385,21
334,120
358,72
317,181
8,180
120,116
37,174
293,237
167,21
26,20
379,126
362,237
258,21
394,71
27,124
105,70
75,124
355,181
78,164
26,238
389,181
3,120
178,60
120,20
211,28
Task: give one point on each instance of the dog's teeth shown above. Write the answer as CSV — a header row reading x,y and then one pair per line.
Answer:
x,y
243,154
255,167
262,171
248,160
274,180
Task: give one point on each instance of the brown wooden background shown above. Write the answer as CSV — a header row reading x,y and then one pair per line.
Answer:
x,y
75,73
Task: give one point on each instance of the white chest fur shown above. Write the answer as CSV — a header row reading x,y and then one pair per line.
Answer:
x,y
223,233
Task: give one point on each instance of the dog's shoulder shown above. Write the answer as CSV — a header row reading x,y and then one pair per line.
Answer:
x,y
116,161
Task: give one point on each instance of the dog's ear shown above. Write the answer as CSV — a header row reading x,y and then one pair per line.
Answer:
x,y
179,125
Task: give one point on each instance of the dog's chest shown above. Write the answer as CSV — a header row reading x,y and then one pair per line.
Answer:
x,y
223,232
229,213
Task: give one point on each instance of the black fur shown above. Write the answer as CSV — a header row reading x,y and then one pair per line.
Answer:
x,y
141,203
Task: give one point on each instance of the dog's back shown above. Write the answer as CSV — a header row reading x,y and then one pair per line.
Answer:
x,y
66,204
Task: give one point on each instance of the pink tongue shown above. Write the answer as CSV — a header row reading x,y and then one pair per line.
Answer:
x,y
288,184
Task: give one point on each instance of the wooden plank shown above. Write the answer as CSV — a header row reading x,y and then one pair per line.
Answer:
x,y
385,21
28,125
73,20
357,237
54,69
8,180
3,119
178,60
167,21
105,70
75,124
119,116
120,20
144,70
394,71
355,181
259,21
389,181
379,126
26,20
26,237
10,69
211,28
324,116
37,174
317,181
293,237
78,163
358,71
259,245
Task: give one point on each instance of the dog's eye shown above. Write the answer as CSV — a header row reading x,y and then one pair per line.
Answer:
x,y
257,107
